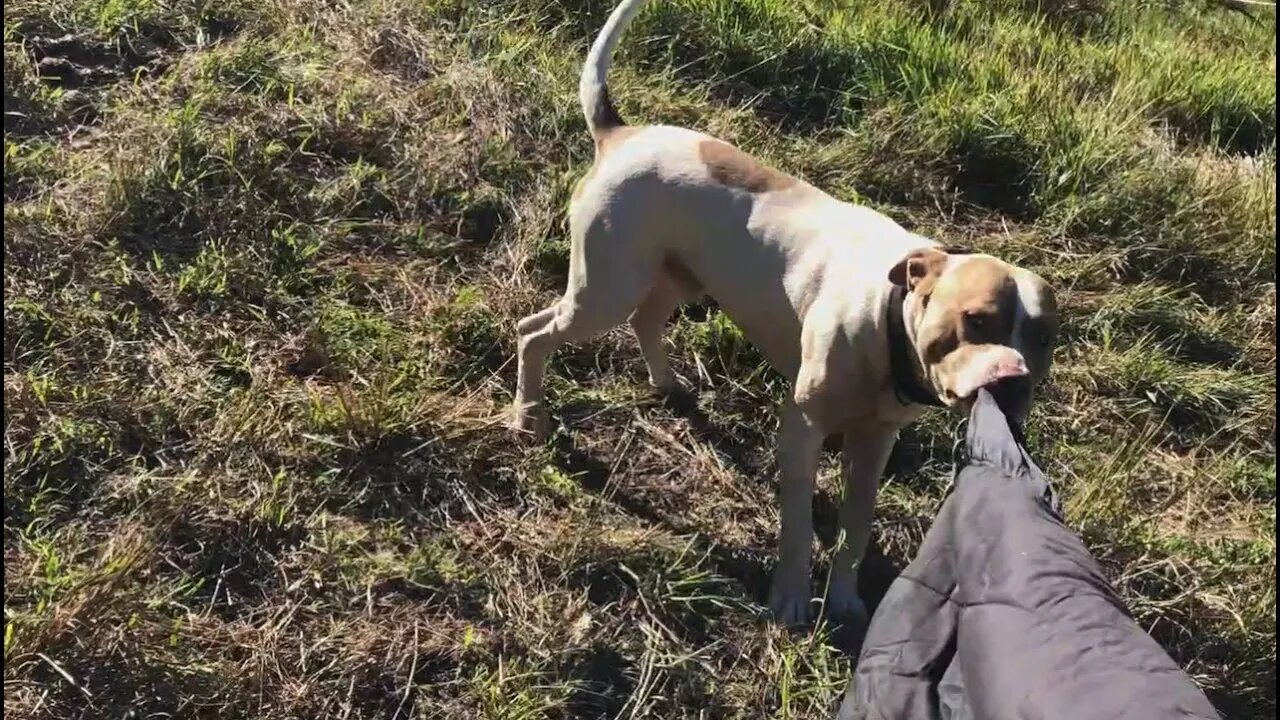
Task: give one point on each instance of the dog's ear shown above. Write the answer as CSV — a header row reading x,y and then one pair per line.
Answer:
x,y
918,271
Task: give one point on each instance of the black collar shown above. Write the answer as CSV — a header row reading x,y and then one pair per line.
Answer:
x,y
906,384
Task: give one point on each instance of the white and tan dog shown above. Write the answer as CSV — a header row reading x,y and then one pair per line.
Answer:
x,y
869,322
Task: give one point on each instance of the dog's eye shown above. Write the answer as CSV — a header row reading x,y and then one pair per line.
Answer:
x,y
975,321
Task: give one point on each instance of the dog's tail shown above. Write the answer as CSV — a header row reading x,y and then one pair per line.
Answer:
x,y
593,88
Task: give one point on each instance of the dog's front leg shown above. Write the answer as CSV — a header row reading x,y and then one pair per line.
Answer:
x,y
865,454
799,450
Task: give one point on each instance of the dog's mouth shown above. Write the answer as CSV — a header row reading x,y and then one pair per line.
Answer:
x,y
1012,393
1016,368
1000,369
975,367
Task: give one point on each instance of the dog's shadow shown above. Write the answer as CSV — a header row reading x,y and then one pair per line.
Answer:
x,y
747,566
878,570
684,404
750,567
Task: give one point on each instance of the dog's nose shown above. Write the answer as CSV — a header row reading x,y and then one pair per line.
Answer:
x,y
1010,368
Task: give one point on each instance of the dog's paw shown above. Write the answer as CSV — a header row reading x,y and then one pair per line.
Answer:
x,y
666,384
532,422
845,606
790,600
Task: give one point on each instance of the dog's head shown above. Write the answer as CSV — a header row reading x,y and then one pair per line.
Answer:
x,y
978,321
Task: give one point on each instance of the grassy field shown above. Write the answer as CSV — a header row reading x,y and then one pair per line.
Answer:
x,y
262,263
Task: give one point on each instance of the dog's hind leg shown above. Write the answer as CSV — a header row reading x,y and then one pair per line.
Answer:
x,y
648,321
536,321
535,344
605,286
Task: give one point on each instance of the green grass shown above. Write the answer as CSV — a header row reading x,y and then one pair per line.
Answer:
x,y
263,263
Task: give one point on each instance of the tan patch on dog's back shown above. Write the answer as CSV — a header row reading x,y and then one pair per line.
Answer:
x,y
731,167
